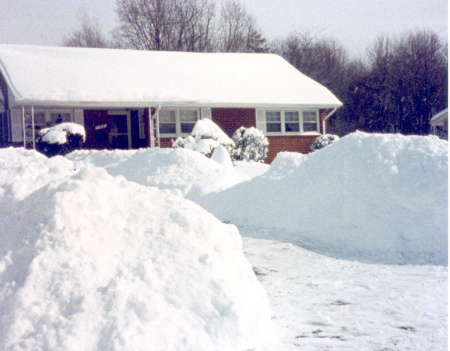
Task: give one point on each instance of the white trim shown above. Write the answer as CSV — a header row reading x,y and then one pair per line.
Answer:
x,y
78,116
33,128
141,124
16,125
167,104
23,128
206,112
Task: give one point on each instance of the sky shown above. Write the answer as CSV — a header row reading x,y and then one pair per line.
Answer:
x,y
355,24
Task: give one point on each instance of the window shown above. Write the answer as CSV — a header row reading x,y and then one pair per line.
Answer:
x,y
310,121
168,122
59,117
273,120
291,121
176,122
188,118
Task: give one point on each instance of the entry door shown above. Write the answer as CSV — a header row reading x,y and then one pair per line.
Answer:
x,y
119,124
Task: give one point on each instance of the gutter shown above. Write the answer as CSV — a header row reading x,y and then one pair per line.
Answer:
x,y
326,118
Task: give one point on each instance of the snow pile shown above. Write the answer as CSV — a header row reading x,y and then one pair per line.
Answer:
x,y
221,156
93,262
181,169
377,197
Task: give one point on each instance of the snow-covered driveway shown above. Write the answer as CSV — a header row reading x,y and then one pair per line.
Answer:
x,y
323,303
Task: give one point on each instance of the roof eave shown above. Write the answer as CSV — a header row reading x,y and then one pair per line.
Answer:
x,y
141,104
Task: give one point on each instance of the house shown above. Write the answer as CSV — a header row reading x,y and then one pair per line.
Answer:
x,y
439,124
131,99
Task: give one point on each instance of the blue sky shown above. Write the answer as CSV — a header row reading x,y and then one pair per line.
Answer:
x,y
354,23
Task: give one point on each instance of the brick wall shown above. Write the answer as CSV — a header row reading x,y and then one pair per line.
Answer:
x,y
167,142
230,119
288,143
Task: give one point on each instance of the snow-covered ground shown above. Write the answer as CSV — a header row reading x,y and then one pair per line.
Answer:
x,y
90,256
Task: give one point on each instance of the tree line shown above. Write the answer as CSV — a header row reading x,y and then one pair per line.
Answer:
x,y
397,89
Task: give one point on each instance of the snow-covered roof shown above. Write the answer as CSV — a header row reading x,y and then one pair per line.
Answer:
x,y
439,116
108,77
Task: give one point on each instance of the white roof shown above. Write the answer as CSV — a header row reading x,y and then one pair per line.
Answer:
x,y
108,77
439,116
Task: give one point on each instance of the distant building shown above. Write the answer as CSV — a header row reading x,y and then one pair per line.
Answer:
x,y
439,124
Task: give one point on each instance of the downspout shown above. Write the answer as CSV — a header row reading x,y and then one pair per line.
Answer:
x,y
324,129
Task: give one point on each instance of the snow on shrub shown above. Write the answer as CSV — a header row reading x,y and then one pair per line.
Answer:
x,y
321,141
89,261
251,145
60,139
205,137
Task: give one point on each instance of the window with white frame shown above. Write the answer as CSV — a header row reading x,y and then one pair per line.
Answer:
x,y
188,118
168,122
311,121
291,121
175,122
273,121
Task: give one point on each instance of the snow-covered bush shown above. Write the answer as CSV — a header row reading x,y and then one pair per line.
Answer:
x,y
205,137
251,145
321,141
60,139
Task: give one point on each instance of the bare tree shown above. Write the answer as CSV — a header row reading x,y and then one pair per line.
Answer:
x,y
405,85
322,59
90,35
237,30
183,25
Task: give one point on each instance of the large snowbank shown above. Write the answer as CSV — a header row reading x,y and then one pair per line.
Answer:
x,y
180,168
94,262
368,196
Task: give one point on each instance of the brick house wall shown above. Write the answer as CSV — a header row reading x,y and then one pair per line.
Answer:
x,y
288,143
230,119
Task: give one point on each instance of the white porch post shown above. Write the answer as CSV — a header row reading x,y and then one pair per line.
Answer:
x,y
23,128
151,129
32,127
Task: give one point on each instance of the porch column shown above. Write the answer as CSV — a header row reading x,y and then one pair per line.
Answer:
x,y
23,128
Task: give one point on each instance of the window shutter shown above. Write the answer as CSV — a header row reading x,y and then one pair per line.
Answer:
x,y
16,125
79,117
261,119
206,112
